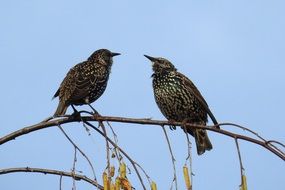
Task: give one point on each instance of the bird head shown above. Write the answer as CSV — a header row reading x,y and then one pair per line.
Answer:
x,y
103,56
161,65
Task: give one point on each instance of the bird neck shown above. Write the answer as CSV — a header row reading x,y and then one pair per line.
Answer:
x,y
161,74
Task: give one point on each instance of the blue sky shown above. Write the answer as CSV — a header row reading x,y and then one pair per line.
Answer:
x,y
232,50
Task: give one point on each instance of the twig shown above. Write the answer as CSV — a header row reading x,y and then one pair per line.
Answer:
x,y
240,161
254,133
107,146
118,155
276,142
54,172
189,157
172,157
146,175
82,153
73,168
122,151
60,182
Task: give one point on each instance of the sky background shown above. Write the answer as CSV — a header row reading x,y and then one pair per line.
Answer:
x,y
232,50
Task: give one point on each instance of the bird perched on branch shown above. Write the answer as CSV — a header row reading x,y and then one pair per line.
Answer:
x,y
179,100
85,82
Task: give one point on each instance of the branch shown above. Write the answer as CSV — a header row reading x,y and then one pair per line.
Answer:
x,y
82,153
121,150
172,159
58,121
54,172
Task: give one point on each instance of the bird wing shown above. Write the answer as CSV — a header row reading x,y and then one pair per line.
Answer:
x,y
56,94
193,89
76,84
81,88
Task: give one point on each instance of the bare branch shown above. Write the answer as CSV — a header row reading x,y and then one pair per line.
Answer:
x,y
122,151
59,121
54,172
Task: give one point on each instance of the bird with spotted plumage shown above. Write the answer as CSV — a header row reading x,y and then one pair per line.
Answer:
x,y
179,100
85,82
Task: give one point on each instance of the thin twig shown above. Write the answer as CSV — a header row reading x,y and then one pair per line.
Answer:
x,y
60,182
276,142
82,153
118,155
107,146
254,133
122,151
54,172
73,168
172,157
240,161
189,157
146,175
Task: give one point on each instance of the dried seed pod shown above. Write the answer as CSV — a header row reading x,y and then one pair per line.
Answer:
x,y
106,182
123,171
153,186
112,171
186,177
112,186
243,183
125,184
118,183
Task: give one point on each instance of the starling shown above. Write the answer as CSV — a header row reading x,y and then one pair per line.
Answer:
x,y
179,100
85,82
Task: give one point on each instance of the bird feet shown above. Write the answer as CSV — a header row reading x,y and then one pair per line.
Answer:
x,y
95,112
183,124
172,127
75,113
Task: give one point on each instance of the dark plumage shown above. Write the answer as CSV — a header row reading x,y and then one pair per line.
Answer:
x,y
86,81
179,100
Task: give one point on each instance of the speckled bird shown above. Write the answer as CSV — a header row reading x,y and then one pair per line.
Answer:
x,y
86,81
179,100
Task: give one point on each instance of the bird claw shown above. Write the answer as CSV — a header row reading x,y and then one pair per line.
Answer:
x,y
96,114
75,114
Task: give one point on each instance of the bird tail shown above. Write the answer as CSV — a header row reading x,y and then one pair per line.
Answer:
x,y
61,109
203,142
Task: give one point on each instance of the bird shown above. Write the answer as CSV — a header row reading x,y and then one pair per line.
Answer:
x,y
179,100
85,82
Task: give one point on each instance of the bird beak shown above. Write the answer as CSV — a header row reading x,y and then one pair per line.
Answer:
x,y
115,54
152,59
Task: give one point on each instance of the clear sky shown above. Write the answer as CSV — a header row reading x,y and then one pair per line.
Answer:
x,y
232,50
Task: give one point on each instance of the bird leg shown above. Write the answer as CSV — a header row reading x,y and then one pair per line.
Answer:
x,y
96,113
172,127
75,112
183,124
